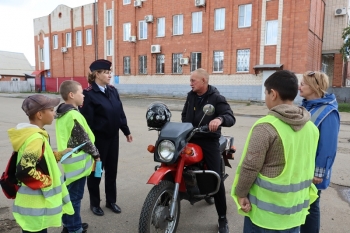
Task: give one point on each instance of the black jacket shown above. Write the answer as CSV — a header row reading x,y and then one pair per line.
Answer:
x,y
104,112
193,111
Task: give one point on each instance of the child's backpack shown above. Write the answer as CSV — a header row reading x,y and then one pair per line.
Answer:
x,y
8,180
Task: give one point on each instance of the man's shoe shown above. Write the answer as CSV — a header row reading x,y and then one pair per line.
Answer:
x,y
114,207
223,226
84,225
97,210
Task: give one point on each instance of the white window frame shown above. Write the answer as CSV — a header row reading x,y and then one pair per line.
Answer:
x,y
41,55
197,20
219,19
55,41
68,40
126,2
271,32
109,18
126,31
245,16
78,39
143,64
178,25
218,56
88,34
127,65
243,58
176,67
142,30
161,27
109,48
196,61
160,64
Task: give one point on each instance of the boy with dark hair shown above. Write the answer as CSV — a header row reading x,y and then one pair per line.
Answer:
x,y
273,185
72,130
42,197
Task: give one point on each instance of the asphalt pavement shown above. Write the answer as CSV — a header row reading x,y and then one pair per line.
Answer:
x,y
136,165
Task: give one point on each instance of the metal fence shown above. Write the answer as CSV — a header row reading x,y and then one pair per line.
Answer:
x,y
16,86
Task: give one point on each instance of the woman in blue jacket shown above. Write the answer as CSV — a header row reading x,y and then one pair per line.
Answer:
x,y
324,113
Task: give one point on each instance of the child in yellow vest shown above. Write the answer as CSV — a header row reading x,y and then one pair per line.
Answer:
x,y
72,130
43,197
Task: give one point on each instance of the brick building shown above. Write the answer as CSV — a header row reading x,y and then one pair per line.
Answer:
x,y
154,45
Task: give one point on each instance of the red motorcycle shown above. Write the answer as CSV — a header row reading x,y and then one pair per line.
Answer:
x,y
182,173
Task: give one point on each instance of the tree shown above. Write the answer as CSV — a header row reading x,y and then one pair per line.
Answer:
x,y
345,49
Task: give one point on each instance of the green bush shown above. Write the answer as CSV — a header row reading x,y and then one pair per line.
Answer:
x,y
344,107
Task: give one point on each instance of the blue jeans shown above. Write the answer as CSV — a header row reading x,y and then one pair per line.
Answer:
x,y
42,231
250,227
312,222
76,192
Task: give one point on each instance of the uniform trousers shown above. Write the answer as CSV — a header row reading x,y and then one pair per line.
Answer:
x,y
212,158
109,150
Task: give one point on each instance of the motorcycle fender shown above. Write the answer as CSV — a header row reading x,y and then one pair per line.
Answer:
x,y
159,175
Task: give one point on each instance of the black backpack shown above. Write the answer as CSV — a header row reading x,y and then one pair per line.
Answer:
x,y
8,180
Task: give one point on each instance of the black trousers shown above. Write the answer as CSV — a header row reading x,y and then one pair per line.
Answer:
x,y
109,150
212,158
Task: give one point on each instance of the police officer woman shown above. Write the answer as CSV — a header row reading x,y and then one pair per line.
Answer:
x,y
104,114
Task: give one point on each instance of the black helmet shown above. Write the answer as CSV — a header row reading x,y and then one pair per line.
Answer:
x,y
157,115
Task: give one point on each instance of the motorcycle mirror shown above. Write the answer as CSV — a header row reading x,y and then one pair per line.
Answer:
x,y
208,109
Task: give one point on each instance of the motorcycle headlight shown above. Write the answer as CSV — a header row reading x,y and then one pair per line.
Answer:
x,y
166,150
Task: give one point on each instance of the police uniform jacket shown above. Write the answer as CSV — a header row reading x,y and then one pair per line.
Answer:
x,y
104,111
193,111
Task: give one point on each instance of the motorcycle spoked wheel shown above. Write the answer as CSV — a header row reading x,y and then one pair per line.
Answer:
x,y
156,209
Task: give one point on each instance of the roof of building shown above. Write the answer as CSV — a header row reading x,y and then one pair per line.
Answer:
x,y
12,63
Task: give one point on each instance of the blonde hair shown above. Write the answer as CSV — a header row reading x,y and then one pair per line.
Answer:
x,y
203,73
67,87
317,81
92,75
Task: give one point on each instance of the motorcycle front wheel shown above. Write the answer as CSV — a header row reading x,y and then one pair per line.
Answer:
x,y
156,210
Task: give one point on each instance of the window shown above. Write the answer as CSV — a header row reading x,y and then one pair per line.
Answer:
x,y
109,48
55,41
245,16
196,22
41,54
78,38
177,24
143,64
160,64
126,2
271,32
196,60
243,56
142,30
15,79
161,27
218,61
68,40
126,31
88,37
109,18
126,61
219,19
177,68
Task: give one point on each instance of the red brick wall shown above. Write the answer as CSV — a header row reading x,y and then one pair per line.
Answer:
x,y
338,70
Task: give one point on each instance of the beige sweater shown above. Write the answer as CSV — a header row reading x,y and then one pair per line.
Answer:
x,y
265,153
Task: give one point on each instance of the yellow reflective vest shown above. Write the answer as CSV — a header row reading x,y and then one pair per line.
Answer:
x,y
35,210
282,202
79,164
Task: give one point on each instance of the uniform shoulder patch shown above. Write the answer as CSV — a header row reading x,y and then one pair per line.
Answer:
x,y
89,88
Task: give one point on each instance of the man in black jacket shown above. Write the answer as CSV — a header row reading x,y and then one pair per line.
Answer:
x,y
201,94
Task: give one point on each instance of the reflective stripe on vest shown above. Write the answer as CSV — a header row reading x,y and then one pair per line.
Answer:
x,y
76,173
278,209
282,188
37,212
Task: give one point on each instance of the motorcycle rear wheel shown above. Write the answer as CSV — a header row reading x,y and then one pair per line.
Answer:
x,y
156,209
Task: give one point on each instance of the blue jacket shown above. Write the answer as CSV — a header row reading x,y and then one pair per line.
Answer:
x,y
328,123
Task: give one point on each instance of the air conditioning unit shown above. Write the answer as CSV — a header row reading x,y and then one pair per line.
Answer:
x,y
340,11
64,49
199,2
137,3
184,61
132,39
155,48
149,18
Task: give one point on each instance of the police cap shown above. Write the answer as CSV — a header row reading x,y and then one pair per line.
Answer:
x,y
100,64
